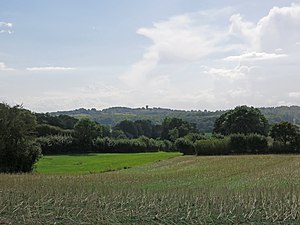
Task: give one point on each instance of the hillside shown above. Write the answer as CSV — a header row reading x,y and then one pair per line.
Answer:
x,y
203,119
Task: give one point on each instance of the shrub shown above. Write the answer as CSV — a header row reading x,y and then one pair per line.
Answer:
x,y
45,130
256,143
185,146
238,143
212,146
57,144
252,143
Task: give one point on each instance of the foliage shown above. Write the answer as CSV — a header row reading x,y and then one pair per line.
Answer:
x,y
58,144
18,148
173,128
128,128
212,146
251,144
61,121
194,137
284,132
204,120
86,131
141,144
242,119
134,129
46,129
185,146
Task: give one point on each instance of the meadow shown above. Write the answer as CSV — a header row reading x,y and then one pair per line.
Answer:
x,y
247,189
96,163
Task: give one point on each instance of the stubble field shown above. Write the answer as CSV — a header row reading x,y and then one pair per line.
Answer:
x,y
260,189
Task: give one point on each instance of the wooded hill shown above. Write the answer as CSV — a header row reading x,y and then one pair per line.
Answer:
x,y
204,120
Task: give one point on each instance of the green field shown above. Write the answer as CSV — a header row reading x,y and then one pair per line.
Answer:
x,y
95,163
260,189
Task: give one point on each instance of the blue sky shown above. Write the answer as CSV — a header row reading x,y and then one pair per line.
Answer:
x,y
183,54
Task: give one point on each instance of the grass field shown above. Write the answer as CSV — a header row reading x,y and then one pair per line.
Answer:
x,y
261,189
95,163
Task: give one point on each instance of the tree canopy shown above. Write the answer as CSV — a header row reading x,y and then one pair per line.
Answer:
x,y
86,131
284,132
18,148
242,119
173,128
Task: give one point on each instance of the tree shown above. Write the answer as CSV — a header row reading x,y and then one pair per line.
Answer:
x,y
284,132
144,127
173,128
18,147
128,127
185,146
86,131
242,119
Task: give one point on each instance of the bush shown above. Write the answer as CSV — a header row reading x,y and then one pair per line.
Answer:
x,y
212,146
185,146
46,130
251,144
256,143
57,144
238,143
141,144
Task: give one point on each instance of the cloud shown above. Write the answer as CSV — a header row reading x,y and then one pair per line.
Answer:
x,y
245,62
50,69
241,59
277,30
236,72
3,67
180,39
4,24
294,94
5,27
255,56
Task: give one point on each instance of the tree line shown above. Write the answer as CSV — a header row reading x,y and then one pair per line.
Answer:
x,y
25,136
203,119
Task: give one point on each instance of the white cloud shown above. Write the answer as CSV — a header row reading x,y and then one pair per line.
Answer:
x,y
255,56
50,69
294,94
178,40
4,24
245,62
236,72
278,30
5,27
265,51
3,67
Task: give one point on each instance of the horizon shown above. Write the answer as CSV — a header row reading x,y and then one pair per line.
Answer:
x,y
157,107
61,56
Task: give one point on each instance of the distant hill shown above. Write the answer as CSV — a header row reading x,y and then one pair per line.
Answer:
x,y
203,119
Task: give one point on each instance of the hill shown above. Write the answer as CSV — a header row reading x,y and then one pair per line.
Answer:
x,y
203,119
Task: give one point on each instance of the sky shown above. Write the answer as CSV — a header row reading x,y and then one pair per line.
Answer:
x,y
180,54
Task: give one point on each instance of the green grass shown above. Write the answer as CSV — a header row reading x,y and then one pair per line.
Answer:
x,y
260,189
95,163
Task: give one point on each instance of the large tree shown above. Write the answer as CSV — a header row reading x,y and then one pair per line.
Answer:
x,y
284,132
242,119
173,128
86,131
18,148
